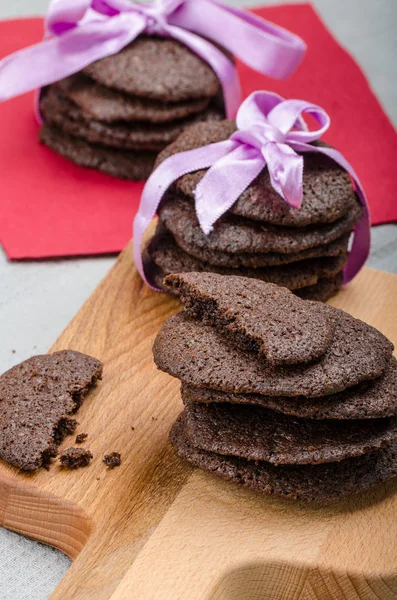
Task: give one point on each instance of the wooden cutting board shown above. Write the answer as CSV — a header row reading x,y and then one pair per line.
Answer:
x,y
154,528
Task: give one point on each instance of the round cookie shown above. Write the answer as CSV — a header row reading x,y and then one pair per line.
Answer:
x,y
256,433
109,105
157,68
257,260
328,194
309,483
236,235
125,164
375,399
60,112
171,259
200,356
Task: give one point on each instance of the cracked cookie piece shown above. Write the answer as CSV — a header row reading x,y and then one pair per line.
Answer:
x,y
253,315
38,399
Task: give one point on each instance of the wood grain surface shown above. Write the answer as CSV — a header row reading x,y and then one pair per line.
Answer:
x,y
154,528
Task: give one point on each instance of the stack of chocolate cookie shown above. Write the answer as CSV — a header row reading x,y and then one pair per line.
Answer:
x,y
261,236
118,113
292,398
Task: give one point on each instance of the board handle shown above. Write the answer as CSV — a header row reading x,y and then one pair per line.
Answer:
x,y
44,517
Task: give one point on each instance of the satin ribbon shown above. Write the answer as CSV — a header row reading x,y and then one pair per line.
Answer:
x,y
79,32
270,133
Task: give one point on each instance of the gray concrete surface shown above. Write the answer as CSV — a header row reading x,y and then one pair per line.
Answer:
x,y
38,299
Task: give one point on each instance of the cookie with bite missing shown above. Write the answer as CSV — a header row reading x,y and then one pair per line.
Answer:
x,y
38,399
264,319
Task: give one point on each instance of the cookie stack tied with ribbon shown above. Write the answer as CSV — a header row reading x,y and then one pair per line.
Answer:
x,y
121,80
289,397
261,197
121,111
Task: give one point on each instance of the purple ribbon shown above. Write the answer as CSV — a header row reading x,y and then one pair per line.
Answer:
x,y
270,132
79,32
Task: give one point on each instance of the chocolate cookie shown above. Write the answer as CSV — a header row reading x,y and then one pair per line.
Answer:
x,y
125,164
236,235
199,356
158,68
163,239
256,433
37,398
322,290
171,259
109,105
262,318
60,112
309,483
375,399
327,190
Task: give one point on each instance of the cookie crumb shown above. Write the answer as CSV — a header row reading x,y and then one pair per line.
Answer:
x,y
112,460
81,437
74,458
13,351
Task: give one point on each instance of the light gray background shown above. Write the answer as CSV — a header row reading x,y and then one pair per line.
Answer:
x,y
38,299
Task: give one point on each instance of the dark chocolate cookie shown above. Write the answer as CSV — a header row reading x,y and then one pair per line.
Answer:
x,y
37,398
157,68
237,235
376,399
125,164
321,291
256,433
262,318
309,483
327,190
163,239
171,259
199,356
60,112
109,105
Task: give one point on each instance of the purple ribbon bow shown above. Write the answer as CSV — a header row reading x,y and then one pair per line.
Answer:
x,y
79,32
270,132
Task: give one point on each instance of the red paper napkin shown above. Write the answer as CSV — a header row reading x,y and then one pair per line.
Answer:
x,y
50,207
